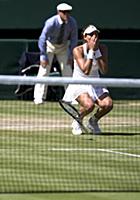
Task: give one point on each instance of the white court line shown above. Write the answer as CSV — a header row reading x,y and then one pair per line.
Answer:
x,y
115,151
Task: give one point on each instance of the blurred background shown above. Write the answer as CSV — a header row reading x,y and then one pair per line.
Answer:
x,y
21,23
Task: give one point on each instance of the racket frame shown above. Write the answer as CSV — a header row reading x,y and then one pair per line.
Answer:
x,y
62,103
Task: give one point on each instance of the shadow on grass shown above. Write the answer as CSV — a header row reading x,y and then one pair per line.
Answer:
x,y
122,134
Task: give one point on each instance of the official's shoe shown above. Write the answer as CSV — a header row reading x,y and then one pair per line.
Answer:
x,y
76,129
93,126
38,101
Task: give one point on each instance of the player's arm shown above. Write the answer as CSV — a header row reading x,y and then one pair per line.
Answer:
x,y
103,59
84,64
100,53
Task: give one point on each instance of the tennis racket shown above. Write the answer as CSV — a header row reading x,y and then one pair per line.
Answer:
x,y
73,112
31,70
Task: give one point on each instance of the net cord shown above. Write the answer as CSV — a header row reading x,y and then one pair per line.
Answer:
x,y
31,80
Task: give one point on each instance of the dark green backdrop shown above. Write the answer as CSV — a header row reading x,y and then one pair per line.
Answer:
x,y
108,14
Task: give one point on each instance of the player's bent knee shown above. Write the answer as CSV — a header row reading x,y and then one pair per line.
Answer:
x,y
110,107
107,105
110,104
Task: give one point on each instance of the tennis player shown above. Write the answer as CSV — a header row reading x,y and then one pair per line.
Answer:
x,y
90,59
59,36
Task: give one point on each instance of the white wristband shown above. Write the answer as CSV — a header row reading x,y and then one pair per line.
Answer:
x,y
98,53
90,54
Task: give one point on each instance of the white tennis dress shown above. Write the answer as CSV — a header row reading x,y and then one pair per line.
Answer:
x,y
74,90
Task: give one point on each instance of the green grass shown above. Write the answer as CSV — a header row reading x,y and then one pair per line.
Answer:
x,y
38,153
73,196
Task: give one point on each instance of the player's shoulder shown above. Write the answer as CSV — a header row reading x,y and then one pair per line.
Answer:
x,y
78,50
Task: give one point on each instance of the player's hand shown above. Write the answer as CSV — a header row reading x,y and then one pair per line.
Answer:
x,y
94,42
44,63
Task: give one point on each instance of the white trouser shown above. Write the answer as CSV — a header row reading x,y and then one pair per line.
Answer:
x,y
61,52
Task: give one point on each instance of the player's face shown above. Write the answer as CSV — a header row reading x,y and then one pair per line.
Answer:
x,y
93,36
64,15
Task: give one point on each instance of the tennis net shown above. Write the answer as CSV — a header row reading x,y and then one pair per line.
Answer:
x,y
38,152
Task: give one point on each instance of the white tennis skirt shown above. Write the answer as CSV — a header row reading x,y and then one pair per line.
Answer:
x,y
73,91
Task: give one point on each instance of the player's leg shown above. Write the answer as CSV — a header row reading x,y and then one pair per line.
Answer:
x,y
86,106
105,105
40,90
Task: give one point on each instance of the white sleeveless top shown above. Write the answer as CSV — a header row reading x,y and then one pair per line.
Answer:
x,y
74,90
77,72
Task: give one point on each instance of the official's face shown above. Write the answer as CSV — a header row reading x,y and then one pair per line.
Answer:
x,y
64,15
